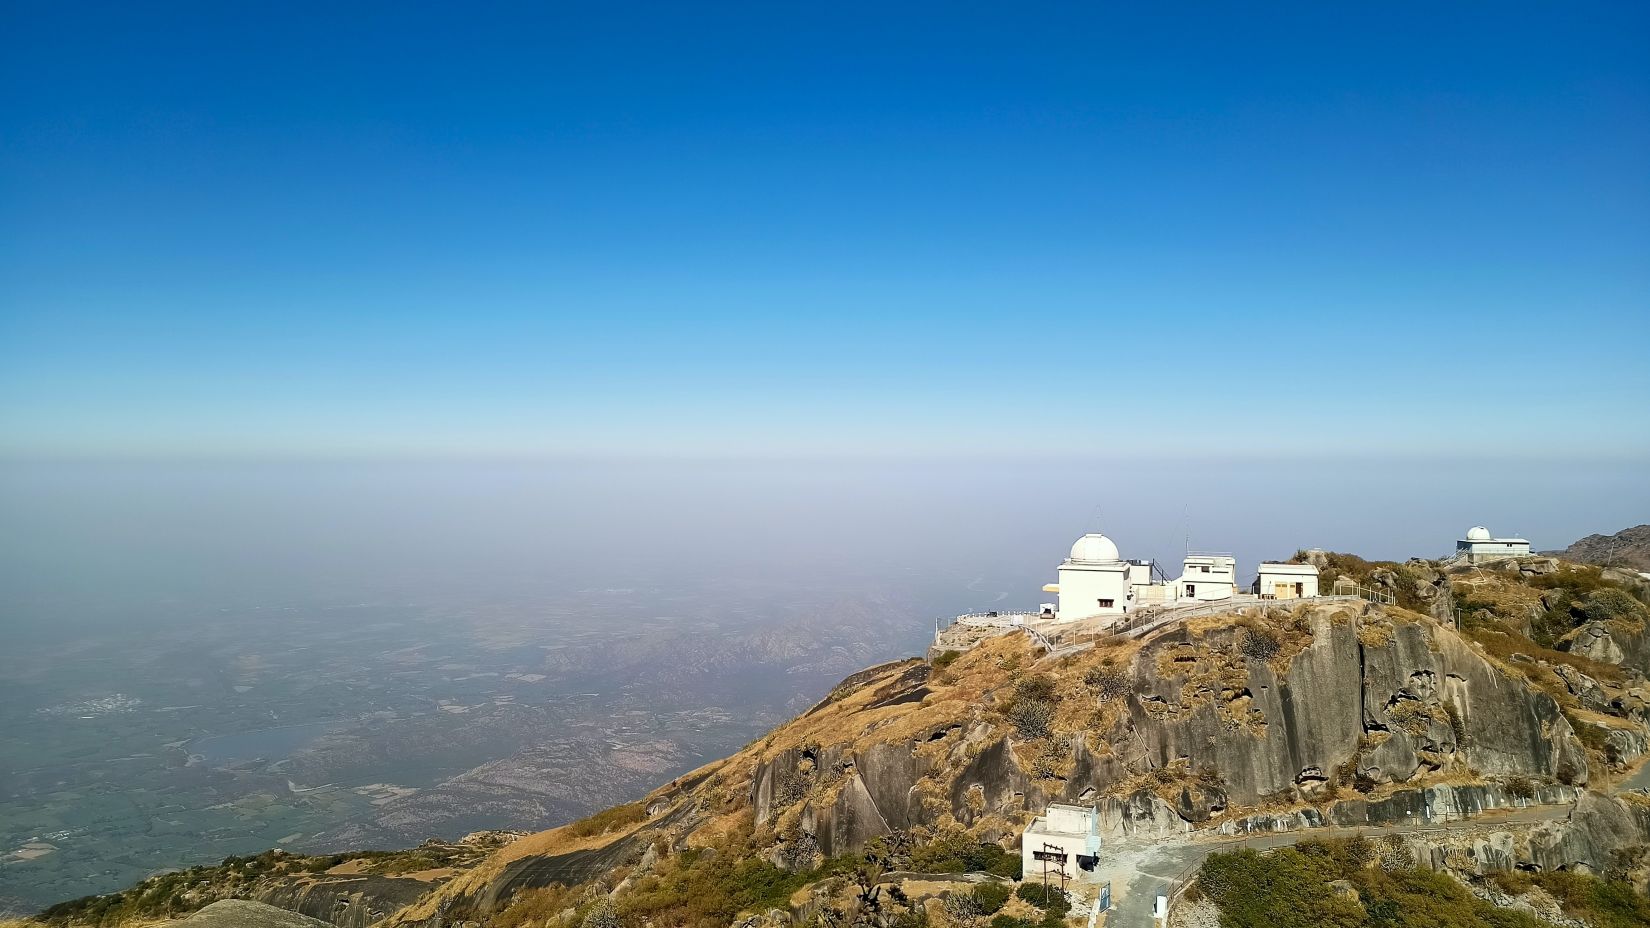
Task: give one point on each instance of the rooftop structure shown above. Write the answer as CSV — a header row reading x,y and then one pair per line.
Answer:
x,y
1207,577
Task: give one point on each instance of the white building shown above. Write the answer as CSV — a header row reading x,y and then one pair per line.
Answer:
x,y
1287,581
1064,841
1479,546
1094,580
1207,577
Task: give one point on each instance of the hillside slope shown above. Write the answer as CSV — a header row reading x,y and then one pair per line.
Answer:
x,y
1340,712
1629,548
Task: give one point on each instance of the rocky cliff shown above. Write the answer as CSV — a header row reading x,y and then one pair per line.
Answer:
x,y
1340,712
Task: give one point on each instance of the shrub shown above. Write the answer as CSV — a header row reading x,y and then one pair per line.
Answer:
x,y
1045,763
1038,686
1610,604
1108,683
945,659
1031,717
989,898
1289,888
1520,787
958,852
1050,898
1257,644
1605,903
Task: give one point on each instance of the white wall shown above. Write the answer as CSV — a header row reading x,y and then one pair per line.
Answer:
x,y
1082,588
1495,548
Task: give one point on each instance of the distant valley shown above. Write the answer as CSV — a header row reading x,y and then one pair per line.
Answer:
x,y
380,725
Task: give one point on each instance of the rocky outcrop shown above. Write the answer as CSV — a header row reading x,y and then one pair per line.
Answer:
x,y
1428,805
1603,835
1419,701
241,913
353,901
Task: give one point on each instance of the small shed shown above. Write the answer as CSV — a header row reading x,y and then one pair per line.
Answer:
x,y
1287,581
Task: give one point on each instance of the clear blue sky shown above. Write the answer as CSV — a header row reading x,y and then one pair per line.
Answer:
x,y
776,228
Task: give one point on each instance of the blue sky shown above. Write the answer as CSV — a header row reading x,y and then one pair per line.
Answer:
x,y
401,229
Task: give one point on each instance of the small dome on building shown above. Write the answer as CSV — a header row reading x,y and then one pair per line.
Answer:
x,y
1094,547
1478,533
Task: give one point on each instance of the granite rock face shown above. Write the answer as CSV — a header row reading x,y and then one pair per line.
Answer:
x,y
1405,700
242,913
346,901
1420,701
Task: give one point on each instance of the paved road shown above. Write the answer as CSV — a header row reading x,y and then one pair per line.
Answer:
x,y
1138,874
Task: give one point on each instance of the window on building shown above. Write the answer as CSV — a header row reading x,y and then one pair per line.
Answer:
x,y
1107,603
1191,589
1205,568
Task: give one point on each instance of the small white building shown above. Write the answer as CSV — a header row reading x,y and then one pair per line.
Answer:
x,y
1479,546
1063,842
1286,581
1207,577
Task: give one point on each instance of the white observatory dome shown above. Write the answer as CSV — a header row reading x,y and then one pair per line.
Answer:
x,y
1478,533
1094,547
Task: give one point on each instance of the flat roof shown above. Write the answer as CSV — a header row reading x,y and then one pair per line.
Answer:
x,y
1279,567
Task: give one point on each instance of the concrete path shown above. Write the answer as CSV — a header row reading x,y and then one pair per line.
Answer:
x,y
1140,872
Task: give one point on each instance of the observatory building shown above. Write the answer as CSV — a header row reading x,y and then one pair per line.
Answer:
x,y
1479,546
1095,580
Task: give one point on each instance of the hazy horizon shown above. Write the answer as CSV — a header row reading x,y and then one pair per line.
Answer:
x,y
116,542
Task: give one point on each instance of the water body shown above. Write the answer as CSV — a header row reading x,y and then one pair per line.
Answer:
x,y
268,744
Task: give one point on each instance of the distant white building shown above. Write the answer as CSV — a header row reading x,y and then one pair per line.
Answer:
x,y
1479,546
1286,581
1207,577
1095,580
1063,842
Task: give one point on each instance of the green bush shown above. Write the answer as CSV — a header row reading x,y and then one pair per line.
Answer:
x,y
1050,899
1031,718
957,852
1605,903
1610,604
1289,888
989,898
945,659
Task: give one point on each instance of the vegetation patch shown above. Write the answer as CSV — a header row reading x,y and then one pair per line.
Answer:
x,y
1331,884
1604,903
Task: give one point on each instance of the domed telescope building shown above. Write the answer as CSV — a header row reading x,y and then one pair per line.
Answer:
x,y
1095,580
1480,546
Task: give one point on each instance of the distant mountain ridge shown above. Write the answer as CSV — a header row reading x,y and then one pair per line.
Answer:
x,y
1629,547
